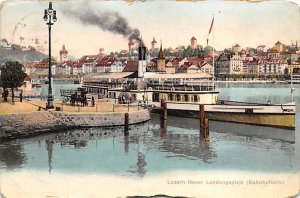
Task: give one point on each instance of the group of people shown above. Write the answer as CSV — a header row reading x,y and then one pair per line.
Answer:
x,y
5,94
81,97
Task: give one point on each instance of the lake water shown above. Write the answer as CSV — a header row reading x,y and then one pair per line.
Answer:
x,y
149,151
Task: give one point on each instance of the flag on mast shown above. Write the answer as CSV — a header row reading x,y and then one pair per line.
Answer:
x,y
210,29
211,25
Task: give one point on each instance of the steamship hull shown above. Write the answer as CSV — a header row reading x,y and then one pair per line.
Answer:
x,y
277,115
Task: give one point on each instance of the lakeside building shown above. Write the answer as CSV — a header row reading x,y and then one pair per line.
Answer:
x,y
251,66
236,64
275,67
207,67
222,64
228,63
292,67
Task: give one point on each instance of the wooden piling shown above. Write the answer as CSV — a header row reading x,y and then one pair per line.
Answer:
x,y
201,116
126,144
163,129
126,124
206,129
164,109
163,113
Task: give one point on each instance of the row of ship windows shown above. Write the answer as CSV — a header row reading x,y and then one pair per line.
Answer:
x,y
181,97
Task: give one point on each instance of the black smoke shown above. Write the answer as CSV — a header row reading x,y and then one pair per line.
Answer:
x,y
107,21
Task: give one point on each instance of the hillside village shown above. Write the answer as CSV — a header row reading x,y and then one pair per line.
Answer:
x,y
234,62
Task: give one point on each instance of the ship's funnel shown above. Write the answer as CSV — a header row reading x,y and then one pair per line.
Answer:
x,y
142,59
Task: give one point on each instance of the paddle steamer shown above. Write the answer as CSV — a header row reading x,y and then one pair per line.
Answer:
x,y
183,93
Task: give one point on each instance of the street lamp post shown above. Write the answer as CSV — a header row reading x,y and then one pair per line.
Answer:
x,y
50,17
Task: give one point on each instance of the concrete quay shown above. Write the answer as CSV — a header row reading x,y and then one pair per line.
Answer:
x,y
29,118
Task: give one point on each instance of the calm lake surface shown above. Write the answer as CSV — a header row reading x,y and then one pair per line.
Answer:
x,y
149,151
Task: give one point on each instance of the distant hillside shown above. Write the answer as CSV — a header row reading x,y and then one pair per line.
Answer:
x,y
16,53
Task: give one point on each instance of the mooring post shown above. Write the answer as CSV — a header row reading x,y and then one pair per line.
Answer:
x,y
163,113
206,129
201,116
126,124
126,144
164,108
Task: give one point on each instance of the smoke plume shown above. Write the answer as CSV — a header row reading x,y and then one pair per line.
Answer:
x,y
107,21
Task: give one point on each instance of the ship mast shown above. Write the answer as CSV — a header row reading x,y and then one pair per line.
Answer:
x,y
213,58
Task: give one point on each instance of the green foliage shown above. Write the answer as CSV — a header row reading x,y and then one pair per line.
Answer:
x,y
12,75
16,53
181,51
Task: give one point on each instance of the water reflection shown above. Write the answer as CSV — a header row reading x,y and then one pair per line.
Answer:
x,y
188,146
49,148
12,155
147,149
228,127
126,144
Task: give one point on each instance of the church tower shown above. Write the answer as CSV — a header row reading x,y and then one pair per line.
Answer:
x,y
161,64
153,44
63,54
193,42
130,47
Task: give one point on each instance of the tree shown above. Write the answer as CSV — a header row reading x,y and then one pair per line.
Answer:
x,y
12,76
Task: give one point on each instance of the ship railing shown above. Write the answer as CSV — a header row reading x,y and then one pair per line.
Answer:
x,y
203,86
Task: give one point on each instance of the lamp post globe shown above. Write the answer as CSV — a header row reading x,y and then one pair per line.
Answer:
x,y
50,18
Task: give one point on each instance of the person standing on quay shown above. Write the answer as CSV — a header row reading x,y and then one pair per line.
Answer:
x,y
93,101
21,96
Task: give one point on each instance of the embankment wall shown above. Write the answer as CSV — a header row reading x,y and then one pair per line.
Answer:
x,y
35,123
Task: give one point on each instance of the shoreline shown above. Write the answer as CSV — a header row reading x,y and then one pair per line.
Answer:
x,y
33,123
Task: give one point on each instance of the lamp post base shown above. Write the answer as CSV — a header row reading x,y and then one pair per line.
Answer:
x,y
49,104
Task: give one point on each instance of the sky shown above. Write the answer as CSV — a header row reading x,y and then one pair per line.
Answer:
x,y
172,23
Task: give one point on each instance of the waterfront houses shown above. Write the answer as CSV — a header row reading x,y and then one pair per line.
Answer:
x,y
207,67
251,66
117,66
236,64
293,67
277,60
222,64
274,67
